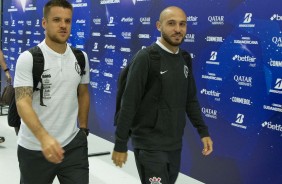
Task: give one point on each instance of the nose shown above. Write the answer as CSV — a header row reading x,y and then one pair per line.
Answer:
x,y
63,24
177,28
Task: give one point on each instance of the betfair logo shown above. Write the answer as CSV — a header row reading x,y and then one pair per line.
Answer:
x,y
271,126
276,17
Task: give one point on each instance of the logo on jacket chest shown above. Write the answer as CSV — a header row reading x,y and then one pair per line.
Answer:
x,y
186,71
77,68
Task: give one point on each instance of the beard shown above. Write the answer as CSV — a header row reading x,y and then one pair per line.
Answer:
x,y
56,39
169,40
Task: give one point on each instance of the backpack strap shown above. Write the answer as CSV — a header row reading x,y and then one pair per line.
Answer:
x,y
80,59
37,70
155,66
188,60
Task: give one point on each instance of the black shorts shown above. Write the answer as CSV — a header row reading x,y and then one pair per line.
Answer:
x,y
74,169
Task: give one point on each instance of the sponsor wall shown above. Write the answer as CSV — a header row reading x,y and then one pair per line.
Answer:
x,y
236,49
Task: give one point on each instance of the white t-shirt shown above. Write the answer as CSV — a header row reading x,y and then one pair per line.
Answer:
x,y
60,79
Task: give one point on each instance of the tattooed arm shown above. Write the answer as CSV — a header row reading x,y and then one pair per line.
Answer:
x,y
51,149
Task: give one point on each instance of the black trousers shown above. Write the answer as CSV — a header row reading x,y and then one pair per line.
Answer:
x,y
157,166
74,169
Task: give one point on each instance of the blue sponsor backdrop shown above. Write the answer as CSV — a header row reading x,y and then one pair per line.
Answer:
x,y
236,48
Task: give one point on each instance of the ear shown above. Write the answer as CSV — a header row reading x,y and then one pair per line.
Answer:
x,y
44,23
158,25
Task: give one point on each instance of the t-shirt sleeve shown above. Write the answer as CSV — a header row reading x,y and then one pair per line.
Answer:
x,y
23,73
85,78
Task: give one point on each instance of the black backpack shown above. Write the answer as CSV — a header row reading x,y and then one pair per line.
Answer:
x,y
154,71
14,119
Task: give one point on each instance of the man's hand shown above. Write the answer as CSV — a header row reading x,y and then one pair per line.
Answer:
x,y
119,158
52,150
208,148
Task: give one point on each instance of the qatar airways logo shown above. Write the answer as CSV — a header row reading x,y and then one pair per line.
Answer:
x,y
97,21
243,80
209,113
94,84
276,17
189,38
109,61
126,35
277,41
216,20
271,126
28,22
145,20
12,49
80,34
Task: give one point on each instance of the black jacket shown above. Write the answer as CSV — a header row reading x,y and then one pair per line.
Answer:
x,y
157,120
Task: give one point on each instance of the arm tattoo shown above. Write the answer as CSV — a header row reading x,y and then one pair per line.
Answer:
x,y
21,92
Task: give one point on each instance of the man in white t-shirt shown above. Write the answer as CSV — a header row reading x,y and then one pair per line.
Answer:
x,y
50,143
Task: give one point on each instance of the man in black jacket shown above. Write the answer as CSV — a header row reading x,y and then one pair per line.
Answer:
x,y
157,120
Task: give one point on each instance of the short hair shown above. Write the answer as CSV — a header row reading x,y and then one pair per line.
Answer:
x,y
54,3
